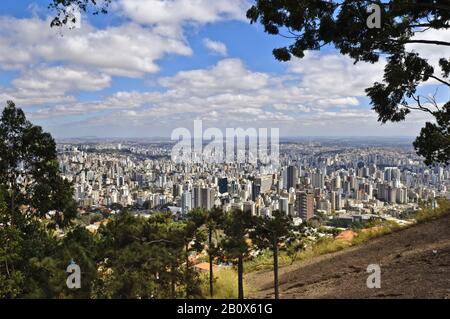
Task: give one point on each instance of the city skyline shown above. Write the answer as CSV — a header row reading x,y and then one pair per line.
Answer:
x,y
238,149
169,69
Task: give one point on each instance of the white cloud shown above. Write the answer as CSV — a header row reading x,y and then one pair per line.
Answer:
x,y
336,74
50,85
227,92
127,50
432,52
61,79
215,46
228,75
23,97
179,12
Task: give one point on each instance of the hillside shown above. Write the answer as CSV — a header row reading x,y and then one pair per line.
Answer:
x,y
415,263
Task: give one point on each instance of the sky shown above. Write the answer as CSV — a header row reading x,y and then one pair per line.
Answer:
x,y
150,66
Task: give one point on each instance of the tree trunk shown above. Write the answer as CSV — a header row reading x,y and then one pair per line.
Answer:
x,y
13,205
172,283
187,271
211,275
240,277
275,268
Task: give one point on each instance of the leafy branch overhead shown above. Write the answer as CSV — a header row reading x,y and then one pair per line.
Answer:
x,y
314,24
311,25
64,9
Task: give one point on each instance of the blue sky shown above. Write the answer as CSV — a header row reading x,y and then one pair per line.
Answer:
x,y
145,68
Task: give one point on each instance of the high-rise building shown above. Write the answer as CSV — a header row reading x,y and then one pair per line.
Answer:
x,y
196,197
284,205
318,180
223,185
256,191
305,205
333,200
207,198
265,183
186,202
249,207
292,177
337,182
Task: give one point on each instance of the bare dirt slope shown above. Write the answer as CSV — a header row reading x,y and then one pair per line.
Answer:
x,y
415,263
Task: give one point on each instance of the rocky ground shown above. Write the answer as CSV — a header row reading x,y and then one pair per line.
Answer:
x,y
415,263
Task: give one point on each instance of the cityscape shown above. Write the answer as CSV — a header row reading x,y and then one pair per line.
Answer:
x,y
344,181
236,157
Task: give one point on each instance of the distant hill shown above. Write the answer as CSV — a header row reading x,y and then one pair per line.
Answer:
x,y
415,263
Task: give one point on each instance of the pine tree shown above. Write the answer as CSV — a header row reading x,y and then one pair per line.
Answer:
x,y
237,227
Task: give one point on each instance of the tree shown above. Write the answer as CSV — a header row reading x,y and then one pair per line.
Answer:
x,y
80,246
270,232
11,280
128,270
145,258
238,225
29,171
433,143
193,241
34,199
214,220
64,9
312,24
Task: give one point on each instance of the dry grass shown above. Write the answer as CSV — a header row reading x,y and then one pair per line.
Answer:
x,y
225,284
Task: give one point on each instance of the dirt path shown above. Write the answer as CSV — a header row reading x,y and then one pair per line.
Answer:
x,y
415,263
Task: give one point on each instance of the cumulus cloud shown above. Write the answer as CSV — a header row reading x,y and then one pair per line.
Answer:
x,y
50,85
126,50
179,12
216,47
322,93
336,74
228,75
431,52
32,98
227,93
61,79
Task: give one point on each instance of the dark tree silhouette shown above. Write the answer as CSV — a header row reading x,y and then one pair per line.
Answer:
x,y
29,171
270,232
32,259
238,225
214,220
313,24
64,9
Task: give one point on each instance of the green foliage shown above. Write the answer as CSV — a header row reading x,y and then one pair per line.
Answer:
x,y
427,213
238,226
32,259
225,284
29,171
143,258
265,260
64,9
311,25
433,143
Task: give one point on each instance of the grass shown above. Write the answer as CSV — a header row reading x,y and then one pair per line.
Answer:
x,y
225,284
323,246
265,261
226,279
330,245
427,213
